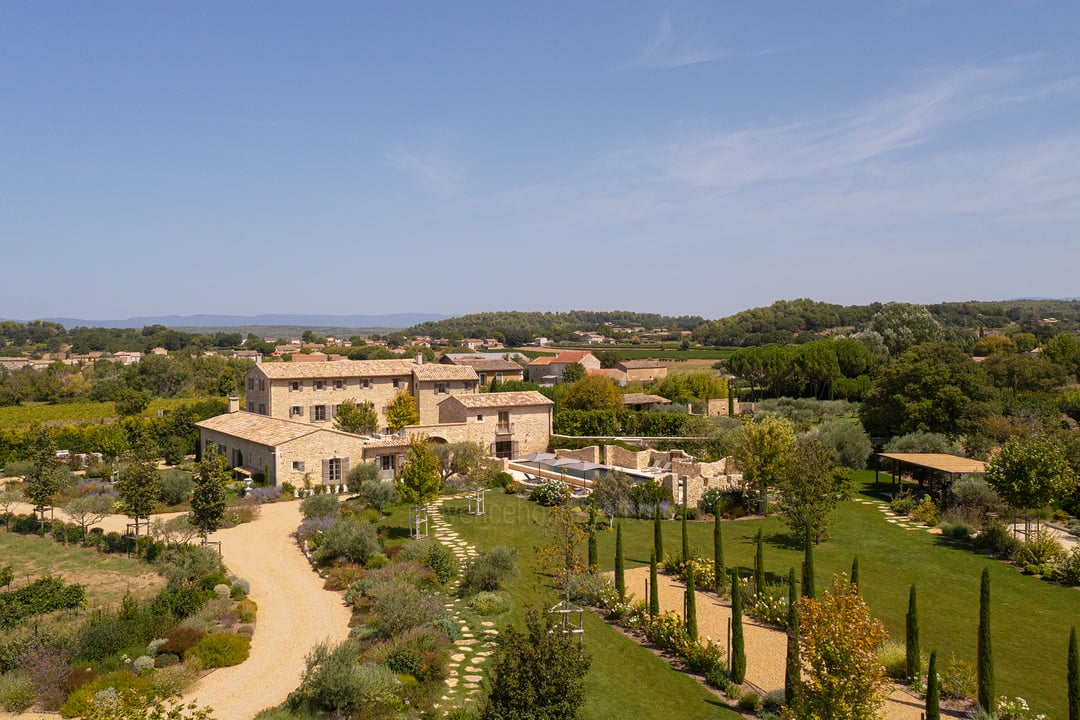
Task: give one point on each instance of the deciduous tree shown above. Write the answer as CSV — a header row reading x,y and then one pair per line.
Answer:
x,y
838,642
593,393
611,493
1030,472
418,481
401,411
809,487
138,489
208,498
460,458
43,480
762,449
358,418
89,510
538,673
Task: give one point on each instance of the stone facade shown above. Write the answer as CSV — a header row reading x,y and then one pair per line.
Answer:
x,y
311,393
507,424
285,451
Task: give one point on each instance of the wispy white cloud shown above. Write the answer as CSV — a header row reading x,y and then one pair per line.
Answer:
x,y
671,47
847,140
436,178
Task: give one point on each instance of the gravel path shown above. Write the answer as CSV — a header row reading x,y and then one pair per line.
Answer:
x,y
295,614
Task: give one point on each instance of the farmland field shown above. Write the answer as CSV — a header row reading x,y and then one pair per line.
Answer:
x,y
24,416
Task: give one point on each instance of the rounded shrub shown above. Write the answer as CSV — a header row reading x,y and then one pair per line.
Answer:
x,y
245,610
221,650
165,660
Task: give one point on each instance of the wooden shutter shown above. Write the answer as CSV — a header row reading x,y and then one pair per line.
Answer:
x,y
344,469
325,471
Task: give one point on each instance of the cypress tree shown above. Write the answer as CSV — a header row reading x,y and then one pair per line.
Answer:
x,y
808,568
654,595
759,565
985,667
912,638
718,555
594,559
1074,677
658,536
792,668
620,573
933,692
855,575
691,604
738,652
685,540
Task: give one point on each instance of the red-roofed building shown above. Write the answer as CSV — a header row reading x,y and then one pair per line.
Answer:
x,y
548,370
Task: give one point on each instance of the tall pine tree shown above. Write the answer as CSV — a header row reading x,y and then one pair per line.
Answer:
x,y
911,644
985,669
792,666
738,651
719,571
1074,677
759,565
685,538
691,605
808,568
658,535
620,572
933,690
654,591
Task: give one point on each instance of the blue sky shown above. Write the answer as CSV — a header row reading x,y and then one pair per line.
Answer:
x,y
684,158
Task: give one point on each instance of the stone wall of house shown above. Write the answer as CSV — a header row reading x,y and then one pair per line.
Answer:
x,y
309,451
530,426
427,399
380,391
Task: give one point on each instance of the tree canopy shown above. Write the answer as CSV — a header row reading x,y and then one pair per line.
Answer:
x,y
763,449
418,481
933,387
1030,472
593,393
401,412
358,418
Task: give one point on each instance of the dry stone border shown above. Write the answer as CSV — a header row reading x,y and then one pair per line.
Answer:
x,y
476,640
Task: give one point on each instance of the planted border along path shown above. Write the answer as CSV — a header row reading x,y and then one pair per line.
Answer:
x,y
295,613
476,639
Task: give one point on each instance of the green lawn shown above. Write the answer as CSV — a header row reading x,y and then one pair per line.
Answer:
x,y
626,680
1031,618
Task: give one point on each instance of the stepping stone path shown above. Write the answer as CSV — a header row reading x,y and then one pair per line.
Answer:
x,y
902,521
476,640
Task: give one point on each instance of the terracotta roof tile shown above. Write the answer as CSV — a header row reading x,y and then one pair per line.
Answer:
x,y
336,369
519,398
443,372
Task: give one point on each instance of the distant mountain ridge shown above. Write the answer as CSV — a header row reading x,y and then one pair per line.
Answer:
x,y
389,321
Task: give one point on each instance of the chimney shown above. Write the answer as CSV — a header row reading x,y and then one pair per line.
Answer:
x,y
419,358
234,403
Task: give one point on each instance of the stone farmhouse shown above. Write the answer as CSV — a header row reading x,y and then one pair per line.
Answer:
x,y
487,367
287,432
549,370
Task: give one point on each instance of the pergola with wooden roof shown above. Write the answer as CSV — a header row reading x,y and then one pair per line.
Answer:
x,y
939,464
